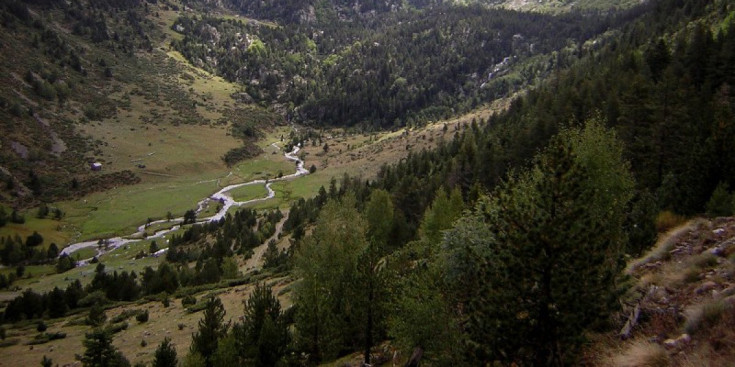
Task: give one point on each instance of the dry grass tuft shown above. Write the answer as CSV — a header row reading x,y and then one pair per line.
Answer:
x,y
667,220
663,246
642,354
705,315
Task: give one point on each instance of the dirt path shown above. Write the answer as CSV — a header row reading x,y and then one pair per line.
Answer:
x,y
256,261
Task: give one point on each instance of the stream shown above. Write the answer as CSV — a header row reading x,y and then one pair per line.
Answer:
x,y
222,196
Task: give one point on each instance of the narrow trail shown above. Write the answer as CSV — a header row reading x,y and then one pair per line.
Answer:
x,y
256,260
222,196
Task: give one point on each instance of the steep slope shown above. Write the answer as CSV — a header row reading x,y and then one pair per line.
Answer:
x,y
681,311
87,82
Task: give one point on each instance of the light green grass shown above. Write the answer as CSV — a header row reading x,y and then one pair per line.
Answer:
x,y
289,191
44,278
32,270
122,210
265,166
249,192
48,228
84,253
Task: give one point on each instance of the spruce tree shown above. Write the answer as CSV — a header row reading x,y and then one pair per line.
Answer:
x,y
262,337
329,300
165,355
100,352
537,263
211,329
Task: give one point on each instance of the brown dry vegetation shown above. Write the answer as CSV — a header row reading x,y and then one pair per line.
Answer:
x,y
364,154
685,290
163,322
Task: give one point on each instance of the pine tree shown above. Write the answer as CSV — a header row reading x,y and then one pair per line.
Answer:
x,y
100,352
379,217
262,337
329,302
96,316
211,329
165,355
552,254
57,303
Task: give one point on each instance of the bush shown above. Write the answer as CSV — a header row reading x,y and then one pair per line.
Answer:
x,y
720,203
116,328
41,327
188,300
142,316
124,316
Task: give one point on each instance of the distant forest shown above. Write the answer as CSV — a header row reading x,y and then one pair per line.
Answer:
x,y
398,69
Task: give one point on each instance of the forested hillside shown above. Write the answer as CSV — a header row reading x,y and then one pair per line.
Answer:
x,y
73,72
562,187
518,255
506,245
390,71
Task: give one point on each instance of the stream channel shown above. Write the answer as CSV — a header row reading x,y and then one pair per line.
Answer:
x,y
108,244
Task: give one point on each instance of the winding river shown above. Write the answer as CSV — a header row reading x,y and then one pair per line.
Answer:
x,y
222,196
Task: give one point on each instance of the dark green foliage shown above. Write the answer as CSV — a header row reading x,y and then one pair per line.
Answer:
x,y
57,304
274,259
438,62
99,351
262,337
16,217
165,355
64,263
96,316
46,362
331,303
52,251
190,216
122,286
142,317
241,153
211,329
164,279
720,203
188,300
43,211
34,239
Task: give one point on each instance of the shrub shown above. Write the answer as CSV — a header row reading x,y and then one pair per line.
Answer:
x,y
720,203
188,300
116,328
142,316
124,316
41,327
